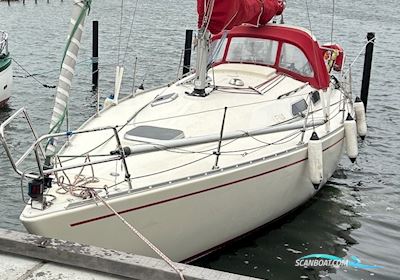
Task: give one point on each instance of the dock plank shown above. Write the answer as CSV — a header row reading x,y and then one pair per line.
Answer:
x,y
26,256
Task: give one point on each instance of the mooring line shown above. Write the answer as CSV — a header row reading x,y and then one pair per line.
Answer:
x,y
29,273
141,236
33,76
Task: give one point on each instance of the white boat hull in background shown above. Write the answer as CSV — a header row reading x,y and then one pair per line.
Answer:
x,y
190,218
6,80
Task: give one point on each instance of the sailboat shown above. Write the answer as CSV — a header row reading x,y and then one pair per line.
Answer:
x,y
5,69
253,133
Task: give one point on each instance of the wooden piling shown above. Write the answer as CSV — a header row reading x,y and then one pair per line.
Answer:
x,y
95,56
367,68
188,51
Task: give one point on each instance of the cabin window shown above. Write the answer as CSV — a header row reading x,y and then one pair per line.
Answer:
x,y
299,107
315,97
252,50
293,59
217,50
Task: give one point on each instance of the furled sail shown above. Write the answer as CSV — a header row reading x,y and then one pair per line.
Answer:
x,y
227,14
80,9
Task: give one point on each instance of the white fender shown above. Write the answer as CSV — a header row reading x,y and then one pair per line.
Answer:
x,y
315,160
137,91
350,133
108,102
140,89
360,118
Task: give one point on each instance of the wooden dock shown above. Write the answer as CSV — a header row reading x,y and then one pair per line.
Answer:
x,y
25,256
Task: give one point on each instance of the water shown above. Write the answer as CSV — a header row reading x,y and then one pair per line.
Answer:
x,y
355,214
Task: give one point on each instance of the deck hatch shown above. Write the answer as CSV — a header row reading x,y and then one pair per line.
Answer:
x,y
153,133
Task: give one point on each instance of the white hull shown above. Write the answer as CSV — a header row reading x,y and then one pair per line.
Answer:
x,y
6,80
200,167
189,218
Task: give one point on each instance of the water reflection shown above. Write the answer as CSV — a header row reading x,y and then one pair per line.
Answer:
x,y
323,225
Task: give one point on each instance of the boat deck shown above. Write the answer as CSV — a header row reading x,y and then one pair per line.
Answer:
x,y
259,97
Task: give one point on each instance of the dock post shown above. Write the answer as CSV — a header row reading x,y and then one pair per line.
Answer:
x,y
367,68
187,51
95,56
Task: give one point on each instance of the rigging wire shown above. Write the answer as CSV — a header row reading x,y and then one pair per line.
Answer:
x,y
309,18
358,56
33,76
127,123
204,152
287,140
130,32
214,110
333,19
283,140
172,168
176,150
120,31
30,75
207,15
119,129
80,182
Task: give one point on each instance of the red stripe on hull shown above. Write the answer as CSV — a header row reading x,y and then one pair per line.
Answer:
x,y
198,192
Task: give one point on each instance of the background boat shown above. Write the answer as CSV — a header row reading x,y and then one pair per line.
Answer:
x,y
6,73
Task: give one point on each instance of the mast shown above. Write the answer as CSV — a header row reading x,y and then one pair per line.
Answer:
x,y
203,50
204,9
79,11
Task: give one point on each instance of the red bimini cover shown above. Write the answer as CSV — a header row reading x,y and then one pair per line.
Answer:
x,y
230,13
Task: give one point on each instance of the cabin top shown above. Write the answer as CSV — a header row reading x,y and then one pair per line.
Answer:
x,y
290,50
